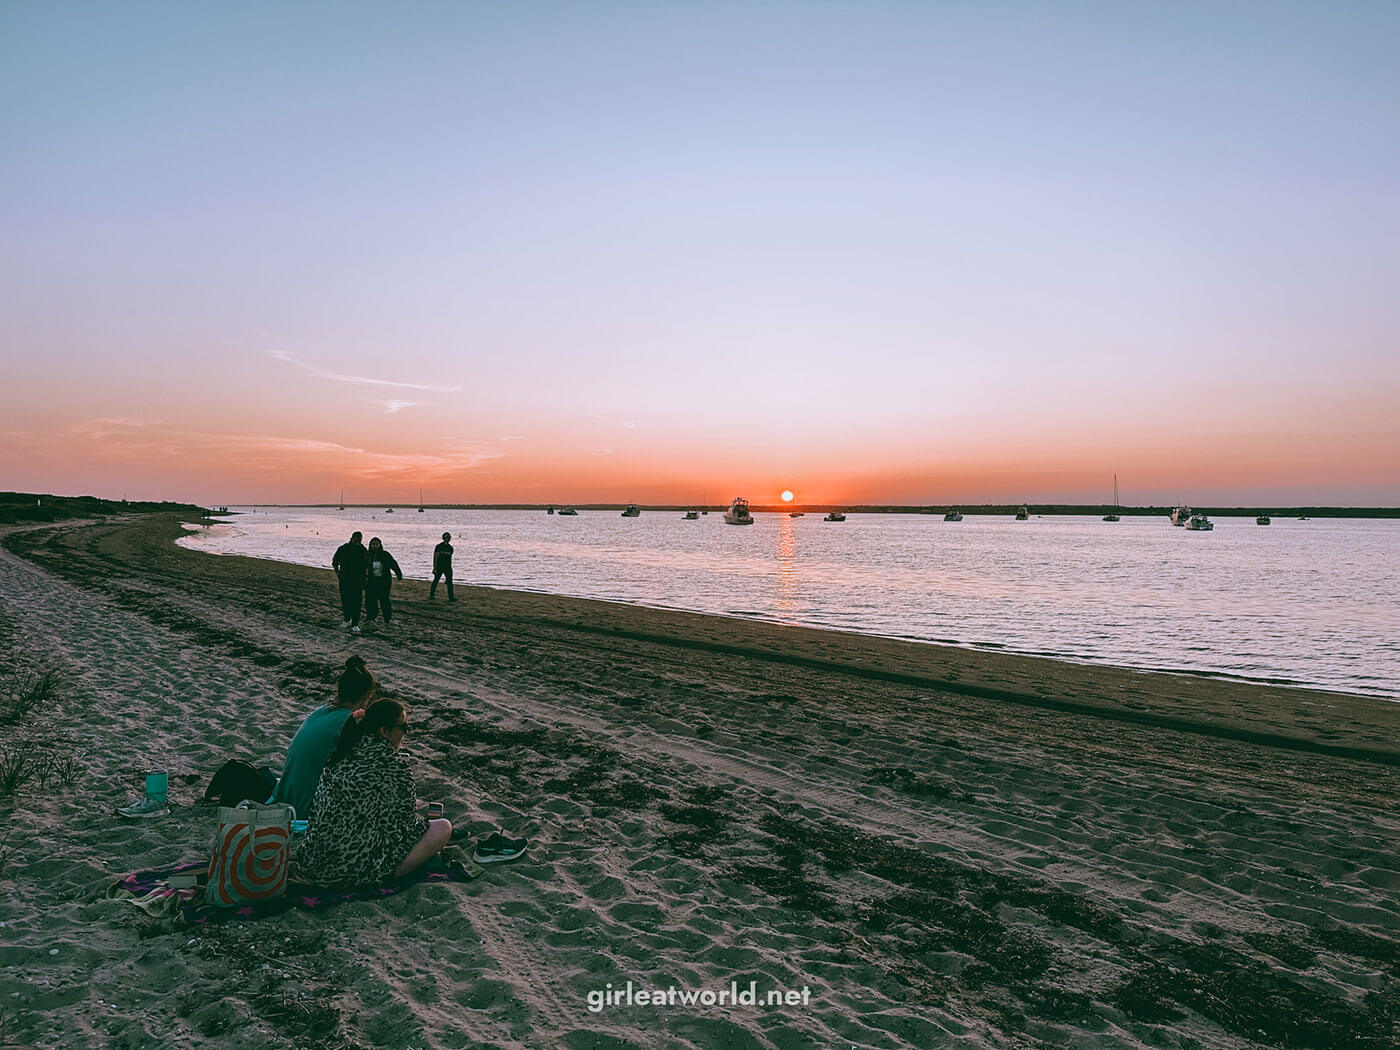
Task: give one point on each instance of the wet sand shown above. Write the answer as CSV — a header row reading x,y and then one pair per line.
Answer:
x,y
944,847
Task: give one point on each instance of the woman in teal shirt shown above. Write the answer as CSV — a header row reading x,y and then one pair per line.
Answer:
x,y
316,739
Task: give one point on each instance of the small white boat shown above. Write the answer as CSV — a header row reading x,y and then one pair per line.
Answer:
x,y
953,515
1022,514
632,511
1263,519
1181,515
835,515
1199,523
692,515
738,512
568,512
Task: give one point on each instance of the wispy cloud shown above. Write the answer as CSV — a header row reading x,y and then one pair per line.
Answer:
x,y
601,451
397,406
154,443
287,357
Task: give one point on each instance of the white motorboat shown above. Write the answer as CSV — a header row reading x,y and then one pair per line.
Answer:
x,y
953,515
568,512
632,511
738,512
835,515
1022,514
1199,523
692,515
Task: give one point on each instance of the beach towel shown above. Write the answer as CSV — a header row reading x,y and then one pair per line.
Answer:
x,y
151,891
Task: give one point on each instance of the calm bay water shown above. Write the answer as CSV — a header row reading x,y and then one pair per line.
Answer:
x,y
1297,602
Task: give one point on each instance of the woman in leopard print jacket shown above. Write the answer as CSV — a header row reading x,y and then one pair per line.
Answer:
x,y
365,828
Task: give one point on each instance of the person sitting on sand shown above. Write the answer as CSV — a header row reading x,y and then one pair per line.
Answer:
x,y
365,828
380,568
442,566
349,566
319,733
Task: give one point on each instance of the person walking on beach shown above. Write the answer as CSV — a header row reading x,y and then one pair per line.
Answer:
x,y
349,566
442,566
380,568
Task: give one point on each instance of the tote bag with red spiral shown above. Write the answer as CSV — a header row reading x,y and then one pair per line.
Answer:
x,y
252,852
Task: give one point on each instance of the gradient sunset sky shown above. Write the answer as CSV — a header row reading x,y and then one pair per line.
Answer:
x,y
572,252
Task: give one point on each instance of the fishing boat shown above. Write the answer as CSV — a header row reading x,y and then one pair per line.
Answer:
x,y
632,511
691,515
1263,519
551,510
568,512
835,515
1199,523
796,513
1181,514
738,512
953,515
388,510
1022,514
1113,515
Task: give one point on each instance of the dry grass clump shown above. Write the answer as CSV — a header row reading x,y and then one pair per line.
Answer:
x,y
25,692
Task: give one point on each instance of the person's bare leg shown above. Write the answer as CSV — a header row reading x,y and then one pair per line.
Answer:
x,y
437,836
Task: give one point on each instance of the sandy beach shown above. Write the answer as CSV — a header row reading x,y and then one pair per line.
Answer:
x,y
939,847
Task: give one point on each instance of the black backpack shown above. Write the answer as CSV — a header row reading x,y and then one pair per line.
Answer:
x,y
236,781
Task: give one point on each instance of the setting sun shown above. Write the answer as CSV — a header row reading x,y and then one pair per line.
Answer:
x,y
787,496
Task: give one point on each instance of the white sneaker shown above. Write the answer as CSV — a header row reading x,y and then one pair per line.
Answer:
x,y
147,807
355,629
345,625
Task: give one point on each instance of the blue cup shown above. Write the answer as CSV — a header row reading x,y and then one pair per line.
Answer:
x,y
157,784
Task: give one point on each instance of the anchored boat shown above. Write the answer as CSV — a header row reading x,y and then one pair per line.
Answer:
x,y
738,512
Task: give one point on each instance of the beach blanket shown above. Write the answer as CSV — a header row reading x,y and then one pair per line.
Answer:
x,y
152,892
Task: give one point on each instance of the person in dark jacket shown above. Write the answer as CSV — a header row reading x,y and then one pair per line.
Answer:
x,y
380,568
442,566
349,565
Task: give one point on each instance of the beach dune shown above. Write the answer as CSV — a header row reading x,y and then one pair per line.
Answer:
x,y
925,846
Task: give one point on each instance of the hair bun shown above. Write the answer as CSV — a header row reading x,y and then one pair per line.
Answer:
x,y
355,663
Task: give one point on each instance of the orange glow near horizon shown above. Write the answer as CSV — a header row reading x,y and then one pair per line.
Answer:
x,y
153,460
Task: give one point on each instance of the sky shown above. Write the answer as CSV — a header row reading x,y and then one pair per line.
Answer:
x,y
874,252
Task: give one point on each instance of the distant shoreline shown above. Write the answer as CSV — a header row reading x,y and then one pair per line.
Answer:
x,y
989,509
18,507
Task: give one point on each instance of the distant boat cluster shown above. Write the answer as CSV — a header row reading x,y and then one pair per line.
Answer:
x,y
739,513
